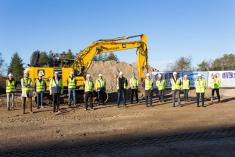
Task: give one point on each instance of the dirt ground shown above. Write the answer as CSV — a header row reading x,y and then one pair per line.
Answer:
x,y
133,131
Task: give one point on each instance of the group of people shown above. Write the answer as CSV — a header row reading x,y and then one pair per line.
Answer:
x,y
56,89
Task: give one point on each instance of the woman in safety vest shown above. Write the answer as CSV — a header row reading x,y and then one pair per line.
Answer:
x,y
89,88
200,86
161,85
56,89
185,87
148,85
40,88
10,91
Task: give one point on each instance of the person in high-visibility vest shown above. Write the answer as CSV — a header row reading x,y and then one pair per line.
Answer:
x,y
10,91
215,84
134,84
100,86
89,88
40,88
27,91
185,87
121,89
175,87
71,89
148,86
56,89
200,87
161,85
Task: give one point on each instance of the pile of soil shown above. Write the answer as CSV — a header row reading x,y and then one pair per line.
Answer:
x,y
110,71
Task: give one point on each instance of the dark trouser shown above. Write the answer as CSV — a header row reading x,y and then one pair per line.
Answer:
x,y
101,97
134,92
161,95
121,95
88,96
202,98
40,99
72,91
174,93
217,93
148,96
186,94
29,100
56,101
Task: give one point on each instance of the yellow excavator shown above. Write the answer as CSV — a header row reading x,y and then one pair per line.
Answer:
x,y
84,59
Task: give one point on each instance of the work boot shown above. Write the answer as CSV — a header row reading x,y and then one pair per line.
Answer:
x,y
212,100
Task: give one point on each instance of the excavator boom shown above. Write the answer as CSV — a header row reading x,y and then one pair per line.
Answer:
x,y
85,57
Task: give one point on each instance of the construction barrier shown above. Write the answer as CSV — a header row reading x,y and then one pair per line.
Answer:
x,y
227,77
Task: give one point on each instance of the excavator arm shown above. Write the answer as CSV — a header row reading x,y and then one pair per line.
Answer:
x,y
84,59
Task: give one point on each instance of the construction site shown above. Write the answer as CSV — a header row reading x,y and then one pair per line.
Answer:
x,y
113,96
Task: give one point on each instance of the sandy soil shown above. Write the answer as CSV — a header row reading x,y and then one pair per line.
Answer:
x,y
45,129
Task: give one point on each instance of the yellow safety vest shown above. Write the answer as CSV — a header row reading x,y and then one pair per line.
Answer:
x,y
98,84
10,86
40,85
125,85
175,85
71,83
53,84
89,86
134,83
27,84
215,83
161,85
148,84
200,86
186,84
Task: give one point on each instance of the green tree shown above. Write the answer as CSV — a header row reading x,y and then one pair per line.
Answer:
x,y
204,66
227,62
16,66
53,59
100,57
67,55
34,59
112,56
43,59
182,64
70,54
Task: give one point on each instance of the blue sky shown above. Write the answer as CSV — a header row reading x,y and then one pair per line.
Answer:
x,y
202,29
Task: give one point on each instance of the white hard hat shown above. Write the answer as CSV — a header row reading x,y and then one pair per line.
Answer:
x,y
159,75
71,72
199,75
185,76
100,75
88,75
174,73
40,74
26,71
147,74
10,75
56,72
120,73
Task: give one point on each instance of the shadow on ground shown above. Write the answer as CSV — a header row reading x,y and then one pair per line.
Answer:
x,y
214,142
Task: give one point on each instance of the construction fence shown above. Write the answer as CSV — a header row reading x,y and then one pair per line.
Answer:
x,y
227,77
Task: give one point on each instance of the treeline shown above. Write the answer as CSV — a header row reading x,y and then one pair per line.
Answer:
x,y
44,59
226,62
